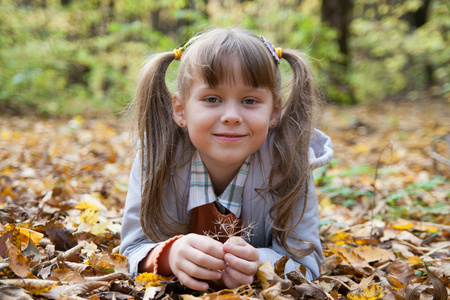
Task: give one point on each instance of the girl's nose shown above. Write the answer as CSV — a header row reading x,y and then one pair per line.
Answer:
x,y
231,114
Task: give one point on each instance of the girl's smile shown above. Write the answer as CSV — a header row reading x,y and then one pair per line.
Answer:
x,y
226,123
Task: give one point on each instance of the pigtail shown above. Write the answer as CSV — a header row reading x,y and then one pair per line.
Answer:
x,y
158,136
291,150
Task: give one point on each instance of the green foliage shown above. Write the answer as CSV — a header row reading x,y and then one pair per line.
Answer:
x,y
391,56
84,56
409,202
415,201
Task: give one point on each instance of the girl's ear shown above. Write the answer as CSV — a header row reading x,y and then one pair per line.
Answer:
x,y
178,110
276,113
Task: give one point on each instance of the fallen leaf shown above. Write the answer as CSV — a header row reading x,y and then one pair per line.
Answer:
x,y
13,293
371,292
145,280
439,290
280,265
349,256
34,286
18,263
371,253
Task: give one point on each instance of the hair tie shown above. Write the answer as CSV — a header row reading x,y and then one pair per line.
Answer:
x,y
276,52
179,51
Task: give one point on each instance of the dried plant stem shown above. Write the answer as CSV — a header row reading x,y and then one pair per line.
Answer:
x,y
227,229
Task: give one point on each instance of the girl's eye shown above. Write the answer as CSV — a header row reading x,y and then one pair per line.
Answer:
x,y
249,101
212,100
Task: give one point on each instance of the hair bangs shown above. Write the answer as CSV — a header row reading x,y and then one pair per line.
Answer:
x,y
216,55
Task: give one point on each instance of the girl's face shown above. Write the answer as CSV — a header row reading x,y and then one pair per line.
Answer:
x,y
228,122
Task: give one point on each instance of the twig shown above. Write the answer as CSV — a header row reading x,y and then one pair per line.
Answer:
x,y
435,250
375,192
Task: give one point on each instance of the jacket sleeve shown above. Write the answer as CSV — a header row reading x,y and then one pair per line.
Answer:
x,y
135,244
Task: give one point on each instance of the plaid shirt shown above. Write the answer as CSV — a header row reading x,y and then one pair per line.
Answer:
x,y
201,190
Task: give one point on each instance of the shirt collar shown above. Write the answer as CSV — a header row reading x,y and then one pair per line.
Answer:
x,y
201,191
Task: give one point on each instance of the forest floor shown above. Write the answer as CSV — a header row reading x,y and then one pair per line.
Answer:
x,y
384,210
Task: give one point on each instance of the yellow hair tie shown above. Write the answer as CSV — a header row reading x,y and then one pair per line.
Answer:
x,y
179,51
279,52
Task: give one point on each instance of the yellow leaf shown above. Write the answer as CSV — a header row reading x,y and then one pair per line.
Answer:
x,y
34,236
10,227
149,279
402,224
415,260
99,229
338,238
87,205
395,283
371,292
89,216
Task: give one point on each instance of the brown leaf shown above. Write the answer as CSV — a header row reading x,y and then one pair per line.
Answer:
x,y
349,256
402,271
3,248
312,291
371,253
273,292
280,265
120,262
439,290
330,263
18,263
266,275
13,293
66,276
34,286
62,238
84,288
414,291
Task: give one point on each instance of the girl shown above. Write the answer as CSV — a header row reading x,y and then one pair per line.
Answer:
x,y
224,154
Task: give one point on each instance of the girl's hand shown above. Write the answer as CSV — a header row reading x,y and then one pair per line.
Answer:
x,y
242,262
196,256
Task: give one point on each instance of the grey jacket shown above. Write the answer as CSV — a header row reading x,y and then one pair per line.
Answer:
x,y
255,209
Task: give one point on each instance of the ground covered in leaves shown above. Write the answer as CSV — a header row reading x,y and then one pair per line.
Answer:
x,y
384,200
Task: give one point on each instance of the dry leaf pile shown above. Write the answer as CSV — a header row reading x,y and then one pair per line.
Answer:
x,y
384,201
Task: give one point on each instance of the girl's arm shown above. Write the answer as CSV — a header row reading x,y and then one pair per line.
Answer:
x,y
135,244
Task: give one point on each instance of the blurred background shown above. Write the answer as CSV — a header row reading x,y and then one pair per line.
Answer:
x,y
68,57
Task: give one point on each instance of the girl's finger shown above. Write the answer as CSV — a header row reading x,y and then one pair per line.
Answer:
x,y
237,276
206,245
206,261
240,248
229,281
191,282
242,265
194,270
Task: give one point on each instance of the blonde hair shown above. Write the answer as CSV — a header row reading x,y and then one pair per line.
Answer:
x,y
211,56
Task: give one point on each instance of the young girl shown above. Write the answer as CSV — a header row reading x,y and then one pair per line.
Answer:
x,y
226,148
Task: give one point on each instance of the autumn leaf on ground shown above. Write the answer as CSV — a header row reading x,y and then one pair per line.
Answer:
x,y
145,279
349,256
18,263
371,292
371,253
